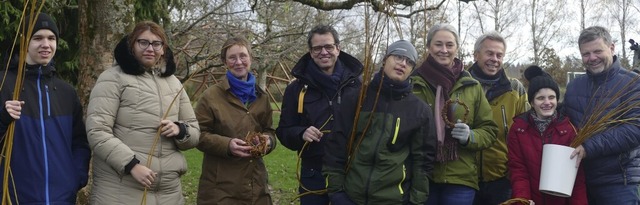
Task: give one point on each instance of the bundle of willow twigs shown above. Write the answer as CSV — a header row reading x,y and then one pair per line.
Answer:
x,y
258,144
515,201
607,114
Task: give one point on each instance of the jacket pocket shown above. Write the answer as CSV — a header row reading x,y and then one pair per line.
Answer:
x,y
397,140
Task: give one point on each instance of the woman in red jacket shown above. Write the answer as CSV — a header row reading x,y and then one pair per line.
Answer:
x,y
543,124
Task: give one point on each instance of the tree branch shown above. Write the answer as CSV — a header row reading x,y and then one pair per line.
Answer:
x,y
377,5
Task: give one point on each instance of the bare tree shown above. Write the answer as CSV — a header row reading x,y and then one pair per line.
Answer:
x,y
544,23
102,23
384,6
619,10
505,17
592,13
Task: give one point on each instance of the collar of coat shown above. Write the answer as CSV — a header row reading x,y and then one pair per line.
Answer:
x,y
608,73
353,68
129,64
502,86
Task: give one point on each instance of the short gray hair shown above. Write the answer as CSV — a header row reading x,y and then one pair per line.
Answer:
x,y
446,27
494,36
594,32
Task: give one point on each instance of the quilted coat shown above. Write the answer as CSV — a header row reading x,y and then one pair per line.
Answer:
x,y
125,109
525,159
613,156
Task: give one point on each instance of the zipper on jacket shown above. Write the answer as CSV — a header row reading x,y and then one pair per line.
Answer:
x,y
455,105
159,177
46,91
339,91
395,133
368,183
42,136
504,123
404,176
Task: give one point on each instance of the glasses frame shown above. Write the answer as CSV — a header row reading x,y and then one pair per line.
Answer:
x,y
155,45
235,59
327,47
400,59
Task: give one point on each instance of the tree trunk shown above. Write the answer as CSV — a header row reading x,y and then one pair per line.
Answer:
x,y
101,25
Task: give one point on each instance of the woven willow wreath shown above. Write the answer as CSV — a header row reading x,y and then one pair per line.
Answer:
x,y
445,109
258,149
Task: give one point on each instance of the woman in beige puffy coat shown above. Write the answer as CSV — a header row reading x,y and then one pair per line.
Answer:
x,y
231,175
126,109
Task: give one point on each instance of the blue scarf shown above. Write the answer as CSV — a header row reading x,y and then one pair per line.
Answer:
x,y
245,90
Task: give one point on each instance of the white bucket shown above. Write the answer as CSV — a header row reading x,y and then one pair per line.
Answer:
x,y
558,171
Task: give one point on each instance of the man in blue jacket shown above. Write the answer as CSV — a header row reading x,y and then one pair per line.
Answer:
x,y
310,103
611,158
50,158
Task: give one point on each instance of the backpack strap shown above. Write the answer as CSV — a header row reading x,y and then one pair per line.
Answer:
x,y
301,99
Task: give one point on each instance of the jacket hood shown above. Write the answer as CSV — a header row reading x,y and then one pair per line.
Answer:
x,y
353,67
129,64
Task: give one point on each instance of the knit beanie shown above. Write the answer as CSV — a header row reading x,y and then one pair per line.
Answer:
x,y
539,79
43,21
402,48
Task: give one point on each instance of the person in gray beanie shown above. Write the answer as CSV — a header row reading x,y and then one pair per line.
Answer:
x,y
50,149
389,160
403,48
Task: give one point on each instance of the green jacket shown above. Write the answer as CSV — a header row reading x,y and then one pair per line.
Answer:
x,y
392,161
480,119
507,98
493,161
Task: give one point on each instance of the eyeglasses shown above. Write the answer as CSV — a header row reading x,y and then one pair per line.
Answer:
x,y
318,49
144,44
400,59
234,59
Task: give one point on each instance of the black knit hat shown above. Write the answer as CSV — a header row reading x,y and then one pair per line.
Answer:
x,y
44,21
539,79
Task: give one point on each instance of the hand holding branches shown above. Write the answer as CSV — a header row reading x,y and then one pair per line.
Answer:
x,y
255,144
168,128
14,108
143,175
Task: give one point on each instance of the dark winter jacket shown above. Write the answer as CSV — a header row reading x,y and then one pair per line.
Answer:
x,y
392,160
525,159
317,107
613,156
50,158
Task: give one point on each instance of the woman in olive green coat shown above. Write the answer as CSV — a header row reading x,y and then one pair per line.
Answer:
x,y
467,128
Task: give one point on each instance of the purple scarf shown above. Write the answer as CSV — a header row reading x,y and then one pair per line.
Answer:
x,y
443,79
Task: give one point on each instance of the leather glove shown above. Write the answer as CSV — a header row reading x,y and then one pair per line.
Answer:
x,y
341,198
461,132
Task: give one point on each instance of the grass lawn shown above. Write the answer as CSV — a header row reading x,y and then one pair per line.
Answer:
x,y
281,166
